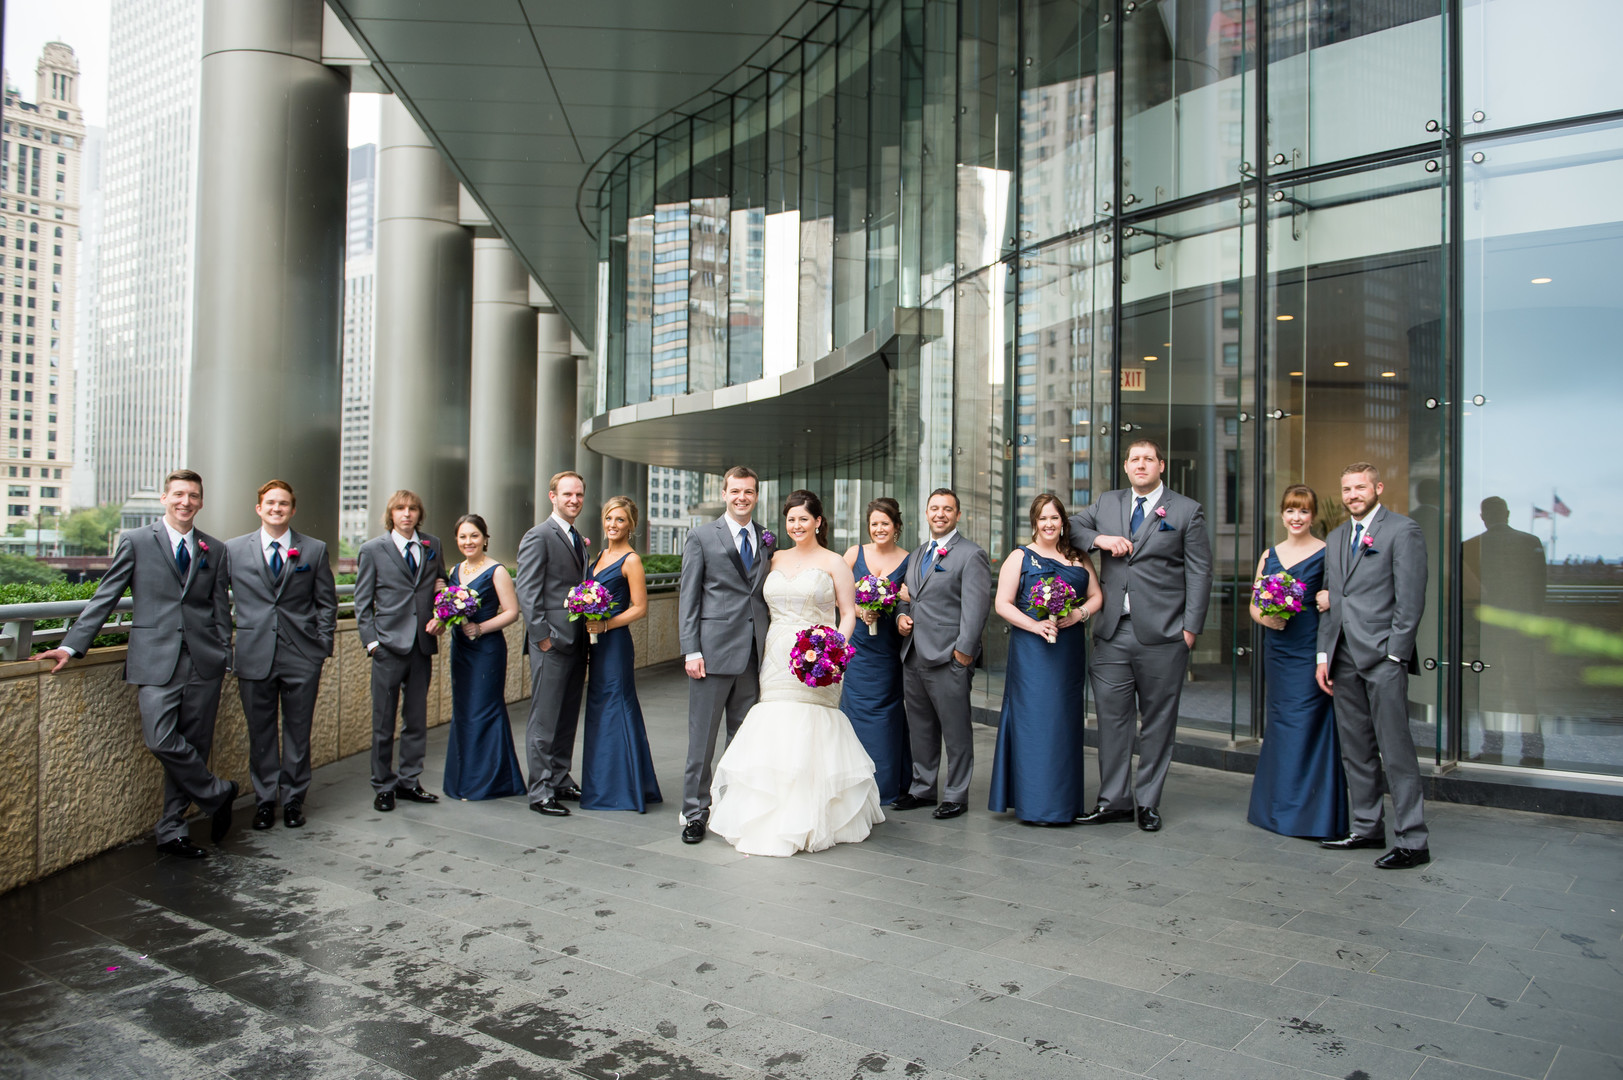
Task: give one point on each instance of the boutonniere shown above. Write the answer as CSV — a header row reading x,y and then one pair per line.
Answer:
x,y
767,539
203,547
1368,544
1164,526
293,553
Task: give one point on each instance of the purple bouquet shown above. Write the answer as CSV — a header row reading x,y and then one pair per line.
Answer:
x,y
819,656
1051,597
454,604
878,595
591,601
1279,594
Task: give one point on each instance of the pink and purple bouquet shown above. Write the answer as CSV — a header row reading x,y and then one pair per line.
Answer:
x,y
877,594
1279,594
1051,597
453,604
591,601
819,656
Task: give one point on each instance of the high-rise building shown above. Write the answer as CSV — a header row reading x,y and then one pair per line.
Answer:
x,y
673,495
82,489
39,183
355,445
141,331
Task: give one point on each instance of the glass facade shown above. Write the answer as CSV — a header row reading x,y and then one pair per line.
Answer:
x,y
1276,235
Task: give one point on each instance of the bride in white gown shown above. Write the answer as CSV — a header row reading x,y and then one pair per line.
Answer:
x,y
795,777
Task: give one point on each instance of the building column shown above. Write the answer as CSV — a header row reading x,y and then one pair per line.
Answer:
x,y
501,440
556,430
637,488
587,462
423,313
273,158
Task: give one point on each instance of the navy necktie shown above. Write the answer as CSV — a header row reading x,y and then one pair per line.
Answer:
x,y
1138,515
580,548
411,557
1358,533
183,557
745,551
276,558
935,556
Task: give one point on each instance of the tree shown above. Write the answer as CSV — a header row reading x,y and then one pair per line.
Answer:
x,y
88,529
23,570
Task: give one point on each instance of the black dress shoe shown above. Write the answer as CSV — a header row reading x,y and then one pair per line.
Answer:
x,y
1352,842
693,832
416,794
264,816
221,825
383,802
551,808
1402,858
293,815
949,810
1103,815
568,794
182,849
1149,819
909,801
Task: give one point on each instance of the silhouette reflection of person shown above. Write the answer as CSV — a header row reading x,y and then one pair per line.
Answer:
x,y
1504,568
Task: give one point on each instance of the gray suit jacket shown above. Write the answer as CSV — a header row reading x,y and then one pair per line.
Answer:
x,y
1169,571
293,616
547,570
169,609
391,607
949,605
721,607
1377,596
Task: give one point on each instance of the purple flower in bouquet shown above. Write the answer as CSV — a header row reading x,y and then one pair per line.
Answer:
x,y
454,604
590,600
1280,595
1051,597
877,594
819,656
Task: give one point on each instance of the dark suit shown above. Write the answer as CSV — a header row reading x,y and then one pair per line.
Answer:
x,y
285,626
549,565
178,650
1140,659
392,608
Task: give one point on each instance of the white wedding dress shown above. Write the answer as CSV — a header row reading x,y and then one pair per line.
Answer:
x,y
795,777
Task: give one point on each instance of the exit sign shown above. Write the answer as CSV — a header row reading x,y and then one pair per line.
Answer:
x,y
1132,379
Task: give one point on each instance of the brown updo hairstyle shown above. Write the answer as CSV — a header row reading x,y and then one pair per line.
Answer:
x,y
814,507
1067,550
477,522
890,508
1301,497
622,502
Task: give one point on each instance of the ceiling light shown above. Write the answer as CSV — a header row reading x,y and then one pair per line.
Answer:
x,y
1166,344
1389,374
1150,358
1284,318
1295,374
1065,440
1341,363
1541,281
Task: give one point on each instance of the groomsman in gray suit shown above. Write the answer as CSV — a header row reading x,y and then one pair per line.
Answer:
x,y
1375,572
551,561
1156,573
397,575
723,627
287,612
180,644
949,581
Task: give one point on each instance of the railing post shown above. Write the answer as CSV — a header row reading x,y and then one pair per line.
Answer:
x,y
17,640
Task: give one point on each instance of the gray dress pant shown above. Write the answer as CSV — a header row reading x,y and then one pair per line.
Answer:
x,y
177,724
399,683
936,699
284,771
1372,719
1130,680
557,681
709,699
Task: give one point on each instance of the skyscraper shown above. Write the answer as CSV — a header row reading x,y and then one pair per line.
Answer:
x,y
356,440
82,489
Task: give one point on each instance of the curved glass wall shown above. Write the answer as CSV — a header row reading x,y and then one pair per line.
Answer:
x,y
1276,235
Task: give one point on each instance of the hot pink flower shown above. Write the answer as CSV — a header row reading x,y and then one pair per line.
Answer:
x,y
1161,512
293,553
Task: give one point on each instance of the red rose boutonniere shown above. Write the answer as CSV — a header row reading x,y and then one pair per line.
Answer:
x,y
1368,544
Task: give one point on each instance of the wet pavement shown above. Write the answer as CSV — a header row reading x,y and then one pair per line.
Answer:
x,y
479,940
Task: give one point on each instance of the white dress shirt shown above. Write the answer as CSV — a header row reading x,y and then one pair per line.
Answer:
x,y
265,539
738,546
1324,658
941,543
1149,508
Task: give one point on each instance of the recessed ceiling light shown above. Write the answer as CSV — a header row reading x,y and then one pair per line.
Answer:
x,y
1542,281
1151,358
1341,363
1295,374
1389,374
1284,318
1166,344
1065,440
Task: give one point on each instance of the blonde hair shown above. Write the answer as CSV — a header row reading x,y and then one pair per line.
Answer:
x,y
622,502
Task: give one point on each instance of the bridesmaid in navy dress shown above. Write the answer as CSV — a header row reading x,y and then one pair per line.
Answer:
x,y
1038,768
617,771
480,762
871,692
1300,789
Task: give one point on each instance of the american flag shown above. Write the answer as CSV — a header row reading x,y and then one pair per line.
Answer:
x,y
1537,513
1559,507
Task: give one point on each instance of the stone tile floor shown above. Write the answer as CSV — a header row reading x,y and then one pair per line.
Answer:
x,y
478,940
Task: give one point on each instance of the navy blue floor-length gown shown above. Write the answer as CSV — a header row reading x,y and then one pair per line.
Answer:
x,y
871,696
480,762
617,770
1037,771
1300,789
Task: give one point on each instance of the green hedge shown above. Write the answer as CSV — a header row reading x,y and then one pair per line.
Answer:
x,y
45,594
661,564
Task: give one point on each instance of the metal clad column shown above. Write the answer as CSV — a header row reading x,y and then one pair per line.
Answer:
x,y
556,431
587,462
273,159
501,441
420,396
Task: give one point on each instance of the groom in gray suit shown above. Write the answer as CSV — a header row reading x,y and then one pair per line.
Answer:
x,y
950,582
723,620
551,561
1375,571
1156,574
180,644
287,611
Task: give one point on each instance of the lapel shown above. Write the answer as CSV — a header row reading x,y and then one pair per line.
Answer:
x,y
400,560
732,549
574,557
160,536
198,557
255,549
1357,557
289,543
1148,526
925,575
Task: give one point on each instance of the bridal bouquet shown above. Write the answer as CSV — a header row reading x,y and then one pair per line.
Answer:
x,y
1279,594
819,656
878,595
1051,597
589,600
454,604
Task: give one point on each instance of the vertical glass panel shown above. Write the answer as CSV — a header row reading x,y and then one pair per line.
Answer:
x,y
747,234
937,220
614,319
709,247
673,179
911,172
851,177
1541,489
640,275
1527,61
1354,349
783,136
884,217
988,125
1351,77
817,201
1059,118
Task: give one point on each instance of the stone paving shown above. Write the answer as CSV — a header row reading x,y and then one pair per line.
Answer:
x,y
478,940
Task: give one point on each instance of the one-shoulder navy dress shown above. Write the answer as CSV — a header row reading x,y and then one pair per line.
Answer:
x,y
1300,788
480,762
871,695
617,770
1037,771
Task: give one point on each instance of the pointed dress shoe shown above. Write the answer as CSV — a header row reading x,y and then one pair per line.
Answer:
x,y
550,807
416,794
221,824
568,794
949,810
909,801
1149,818
383,802
1402,858
293,815
693,832
1352,842
1103,815
264,816
183,848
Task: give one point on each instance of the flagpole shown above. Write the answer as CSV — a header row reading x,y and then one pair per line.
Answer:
x,y
1554,499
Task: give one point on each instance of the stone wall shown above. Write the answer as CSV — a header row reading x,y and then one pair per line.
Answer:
x,y
76,779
